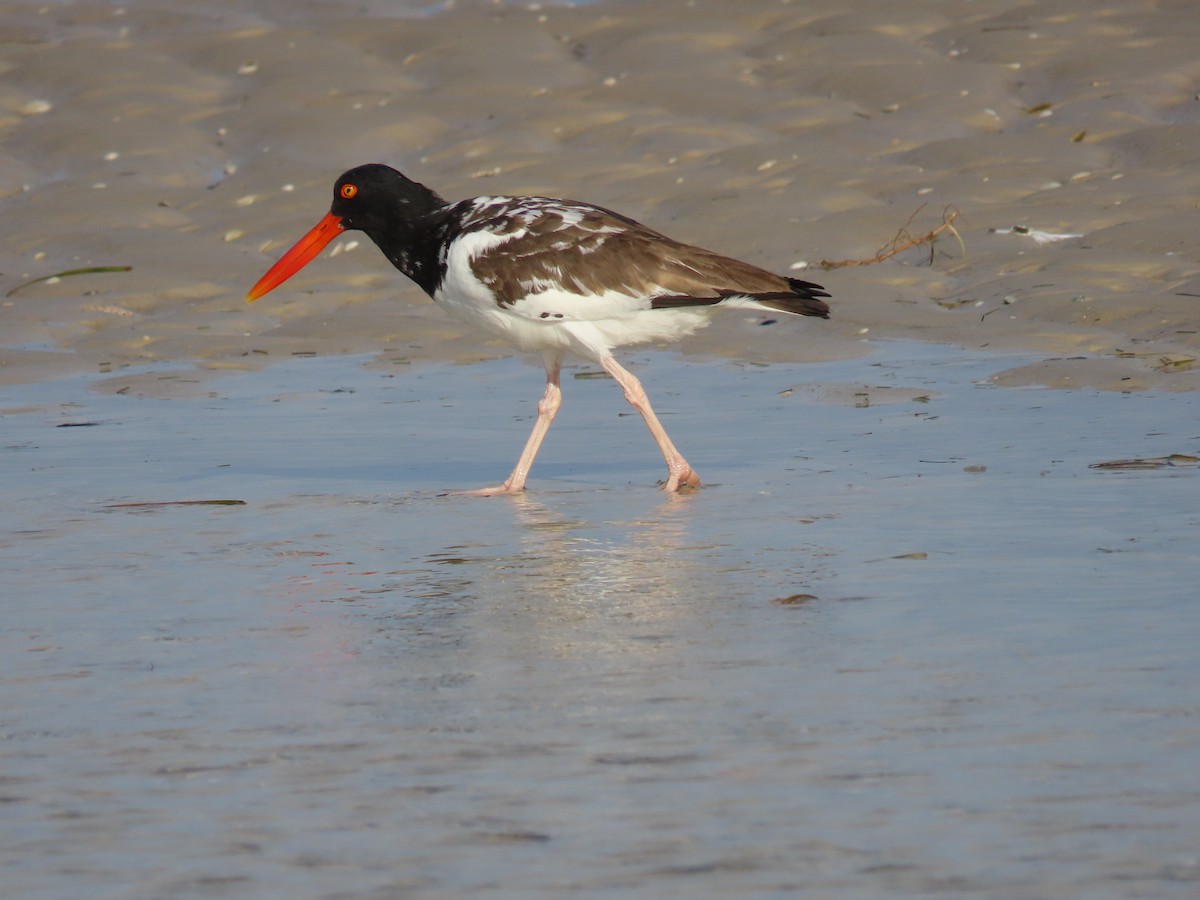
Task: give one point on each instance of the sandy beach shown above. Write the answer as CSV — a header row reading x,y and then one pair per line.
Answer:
x,y
194,143
928,630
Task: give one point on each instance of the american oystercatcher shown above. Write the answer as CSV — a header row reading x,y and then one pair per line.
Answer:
x,y
549,276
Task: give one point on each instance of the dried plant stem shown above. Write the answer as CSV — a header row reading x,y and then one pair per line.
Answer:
x,y
904,240
90,270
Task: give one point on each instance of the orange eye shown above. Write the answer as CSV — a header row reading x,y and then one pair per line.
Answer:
x,y
349,190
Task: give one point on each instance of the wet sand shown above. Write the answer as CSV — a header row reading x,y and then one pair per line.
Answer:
x,y
194,143
907,641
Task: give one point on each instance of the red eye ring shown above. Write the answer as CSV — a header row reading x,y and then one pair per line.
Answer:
x,y
349,190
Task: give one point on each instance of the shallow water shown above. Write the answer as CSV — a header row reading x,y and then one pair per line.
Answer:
x,y
902,643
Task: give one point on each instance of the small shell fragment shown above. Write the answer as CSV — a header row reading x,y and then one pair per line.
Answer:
x,y
1040,237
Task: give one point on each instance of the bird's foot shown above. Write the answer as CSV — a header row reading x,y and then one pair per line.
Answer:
x,y
681,479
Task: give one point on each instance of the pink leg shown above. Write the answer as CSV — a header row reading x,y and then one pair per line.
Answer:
x,y
679,473
547,409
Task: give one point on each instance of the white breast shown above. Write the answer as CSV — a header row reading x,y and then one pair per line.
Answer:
x,y
551,318
467,298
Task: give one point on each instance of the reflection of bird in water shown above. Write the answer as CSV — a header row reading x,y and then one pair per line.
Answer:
x,y
585,588
550,276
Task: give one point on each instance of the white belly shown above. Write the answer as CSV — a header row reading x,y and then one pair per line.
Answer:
x,y
589,325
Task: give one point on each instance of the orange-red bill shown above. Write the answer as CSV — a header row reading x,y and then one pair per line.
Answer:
x,y
299,256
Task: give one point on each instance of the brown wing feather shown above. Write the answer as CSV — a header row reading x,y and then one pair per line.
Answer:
x,y
605,251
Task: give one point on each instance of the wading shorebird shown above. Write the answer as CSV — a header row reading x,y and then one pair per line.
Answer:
x,y
551,276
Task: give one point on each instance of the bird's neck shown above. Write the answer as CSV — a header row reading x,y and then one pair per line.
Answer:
x,y
413,240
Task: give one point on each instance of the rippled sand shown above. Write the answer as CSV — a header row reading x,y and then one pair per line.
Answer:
x,y
194,142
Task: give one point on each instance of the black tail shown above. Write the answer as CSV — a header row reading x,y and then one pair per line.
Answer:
x,y
801,300
804,300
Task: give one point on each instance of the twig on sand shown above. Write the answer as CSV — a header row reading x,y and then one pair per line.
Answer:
x,y
90,270
904,240
153,503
